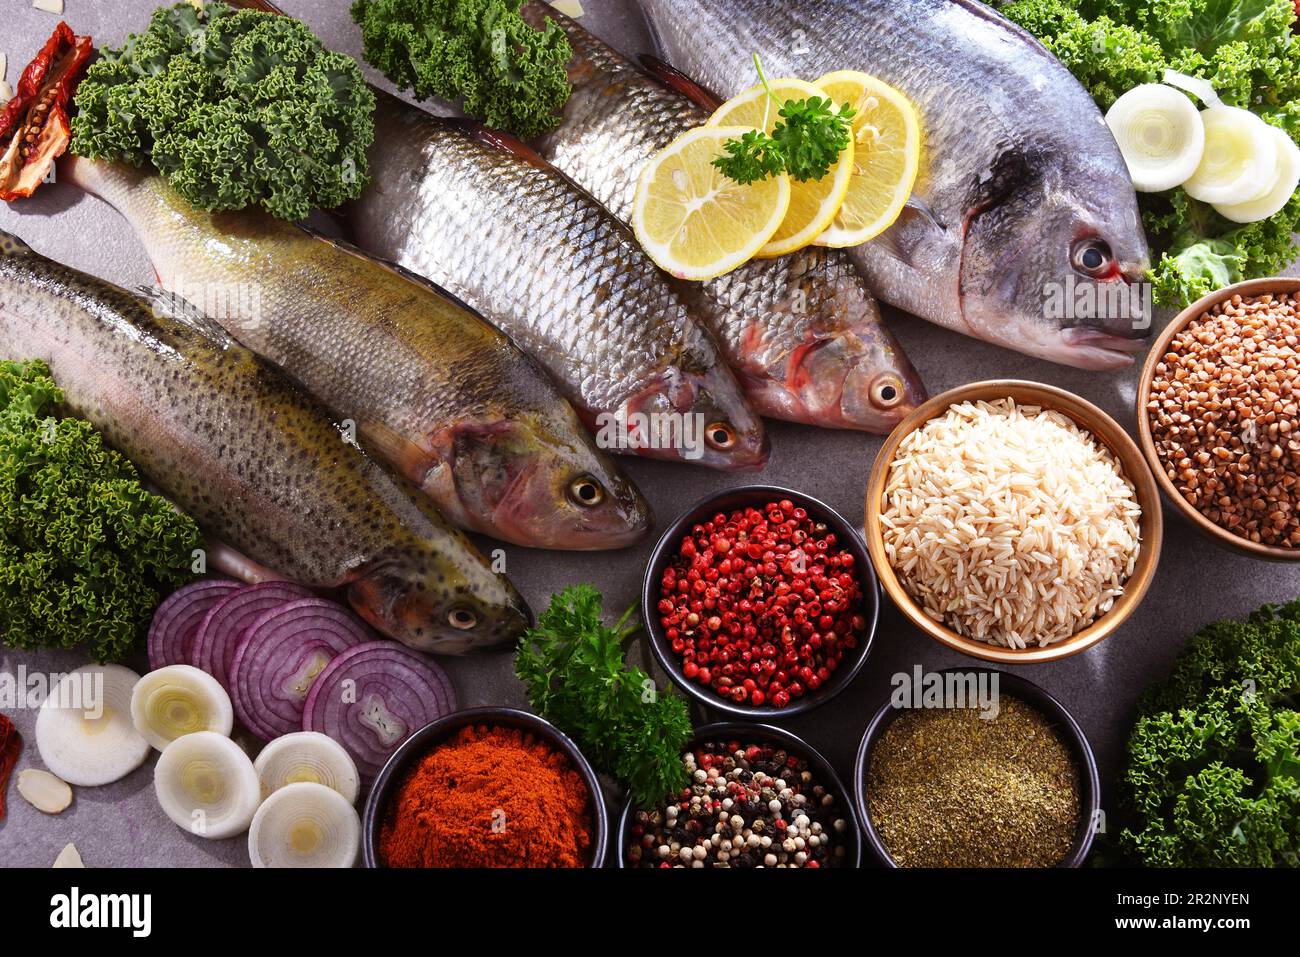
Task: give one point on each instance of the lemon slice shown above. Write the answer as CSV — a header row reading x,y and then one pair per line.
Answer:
x,y
887,153
694,221
813,203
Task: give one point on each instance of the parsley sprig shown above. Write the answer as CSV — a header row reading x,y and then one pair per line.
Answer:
x,y
573,666
806,143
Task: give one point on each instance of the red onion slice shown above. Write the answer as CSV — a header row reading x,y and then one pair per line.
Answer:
x,y
373,697
226,623
282,654
177,620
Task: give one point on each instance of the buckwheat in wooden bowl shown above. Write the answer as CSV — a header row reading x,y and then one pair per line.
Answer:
x,y
1013,521
1218,413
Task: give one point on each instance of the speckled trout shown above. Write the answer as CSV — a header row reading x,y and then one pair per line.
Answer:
x,y
1022,196
257,462
486,218
434,390
802,332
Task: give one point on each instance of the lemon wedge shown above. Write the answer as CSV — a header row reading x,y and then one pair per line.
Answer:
x,y
887,154
813,203
694,221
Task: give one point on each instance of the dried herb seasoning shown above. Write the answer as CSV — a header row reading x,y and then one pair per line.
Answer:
x,y
950,788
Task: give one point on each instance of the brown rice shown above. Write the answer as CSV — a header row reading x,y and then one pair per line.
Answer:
x,y
1009,524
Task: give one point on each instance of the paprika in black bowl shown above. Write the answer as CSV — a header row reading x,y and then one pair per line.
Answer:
x,y
760,602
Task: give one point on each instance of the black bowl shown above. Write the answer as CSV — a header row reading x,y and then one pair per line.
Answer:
x,y
424,740
741,497
746,733
1031,694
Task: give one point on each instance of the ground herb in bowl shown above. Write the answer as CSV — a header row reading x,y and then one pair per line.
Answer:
x,y
948,787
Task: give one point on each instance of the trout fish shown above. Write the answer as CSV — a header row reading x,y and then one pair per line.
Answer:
x,y
802,332
434,390
487,219
1023,203
254,460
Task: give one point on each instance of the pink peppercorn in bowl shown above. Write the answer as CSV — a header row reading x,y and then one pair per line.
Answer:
x,y
728,603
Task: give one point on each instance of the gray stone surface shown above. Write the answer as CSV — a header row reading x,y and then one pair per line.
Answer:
x,y
121,825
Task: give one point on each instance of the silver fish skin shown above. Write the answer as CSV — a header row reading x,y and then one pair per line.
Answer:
x,y
1022,199
254,460
433,389
802,332
483,216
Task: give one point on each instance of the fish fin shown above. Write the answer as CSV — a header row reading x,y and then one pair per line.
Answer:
x,y
181,310
498,140
915,227
678,81
410,458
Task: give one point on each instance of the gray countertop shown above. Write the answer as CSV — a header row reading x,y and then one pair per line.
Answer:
x,y
122,825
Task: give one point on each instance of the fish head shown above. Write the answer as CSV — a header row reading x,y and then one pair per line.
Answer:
x,y
433,605
694,411
1053,261
546,487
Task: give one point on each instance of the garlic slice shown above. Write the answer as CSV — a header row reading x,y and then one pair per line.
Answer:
x,y
43,791
69,857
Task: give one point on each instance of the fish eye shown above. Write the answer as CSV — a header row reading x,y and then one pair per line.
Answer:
x,y
720,435
887,392
586,492
462,619
1091,256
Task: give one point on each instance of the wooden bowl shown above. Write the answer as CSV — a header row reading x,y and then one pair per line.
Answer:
x,y
1253,287
1086,416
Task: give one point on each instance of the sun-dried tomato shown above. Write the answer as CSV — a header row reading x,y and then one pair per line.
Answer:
x,y
11,743
34,127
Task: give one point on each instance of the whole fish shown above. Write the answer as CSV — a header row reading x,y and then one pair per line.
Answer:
x,y
486,218
432,388
255,461
1023,215
802,332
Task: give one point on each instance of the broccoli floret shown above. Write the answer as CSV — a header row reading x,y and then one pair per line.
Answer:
x,y
234,108
1213,772
86,554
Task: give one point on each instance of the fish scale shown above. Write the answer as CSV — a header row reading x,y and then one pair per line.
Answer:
x,y
432,388
1018,169
494,224
254,460
802,331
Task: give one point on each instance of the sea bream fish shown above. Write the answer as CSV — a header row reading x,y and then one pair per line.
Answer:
x,y
802,332
434,390
255,461
486,218
1022,201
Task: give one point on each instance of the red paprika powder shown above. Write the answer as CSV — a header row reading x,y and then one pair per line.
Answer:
x,y
489,797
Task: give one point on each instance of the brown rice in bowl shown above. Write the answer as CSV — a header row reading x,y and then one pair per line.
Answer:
x,y
1009,523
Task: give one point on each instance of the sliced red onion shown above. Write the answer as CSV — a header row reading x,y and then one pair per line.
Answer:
x,y
228,621
177,620
282,654
373,697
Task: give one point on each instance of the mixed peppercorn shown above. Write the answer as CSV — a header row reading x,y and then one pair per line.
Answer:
x,y
748,806
762,605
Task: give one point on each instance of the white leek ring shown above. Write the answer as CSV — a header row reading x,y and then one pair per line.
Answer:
x,y
310,757
1160,134
179,700
305,825
206,784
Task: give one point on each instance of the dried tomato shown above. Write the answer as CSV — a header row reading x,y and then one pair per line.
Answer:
x,y
11,743
34,127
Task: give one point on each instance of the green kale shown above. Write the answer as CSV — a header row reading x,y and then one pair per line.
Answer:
x,y
1213,771
478,52
1248,51
578,679
234,108
86,554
